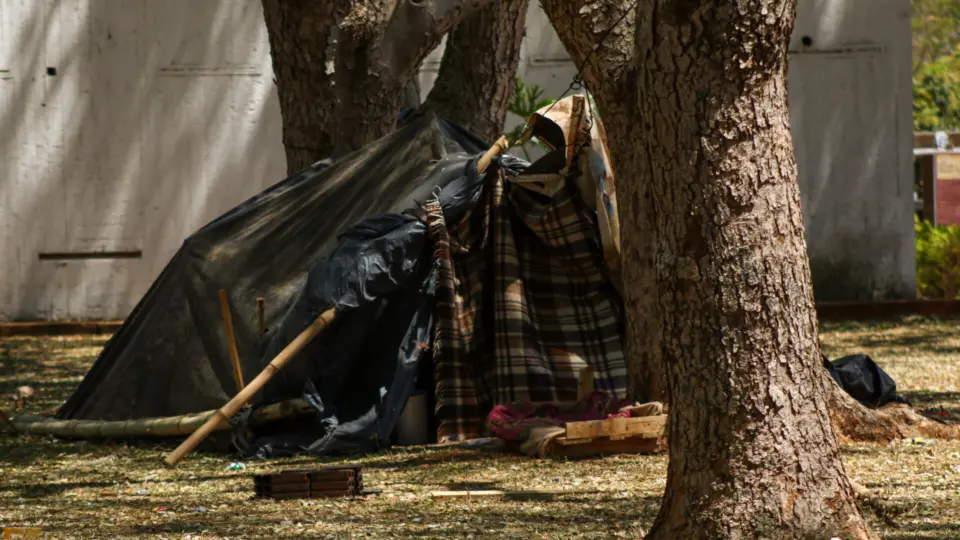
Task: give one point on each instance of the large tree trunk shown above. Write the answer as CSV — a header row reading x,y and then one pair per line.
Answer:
x,y
301,49
476,78
698,120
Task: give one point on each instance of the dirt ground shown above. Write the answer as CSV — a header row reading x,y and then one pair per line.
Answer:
x,y
83,490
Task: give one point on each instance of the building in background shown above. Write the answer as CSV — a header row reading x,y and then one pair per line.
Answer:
x,y
937,188
128,124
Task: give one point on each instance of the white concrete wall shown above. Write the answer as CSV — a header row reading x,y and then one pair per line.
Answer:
x,y
162,115
851,111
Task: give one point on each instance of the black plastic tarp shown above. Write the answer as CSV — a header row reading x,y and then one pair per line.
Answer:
x,y
359,372
170,356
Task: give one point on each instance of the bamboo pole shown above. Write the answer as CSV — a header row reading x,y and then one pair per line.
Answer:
x,y
263,328
223,414
231,339
498,148
170,426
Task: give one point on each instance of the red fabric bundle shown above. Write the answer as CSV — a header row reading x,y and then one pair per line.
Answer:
x,y
510,422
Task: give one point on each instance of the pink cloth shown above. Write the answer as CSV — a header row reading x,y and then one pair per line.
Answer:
x,y
510,422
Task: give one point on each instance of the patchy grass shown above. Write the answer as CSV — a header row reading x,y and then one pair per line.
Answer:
x,y
922,355
85,490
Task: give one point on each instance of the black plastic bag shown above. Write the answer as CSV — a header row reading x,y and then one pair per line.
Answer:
x,y
863,379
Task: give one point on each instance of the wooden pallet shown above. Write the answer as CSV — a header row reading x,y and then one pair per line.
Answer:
x,y
310,483
642,435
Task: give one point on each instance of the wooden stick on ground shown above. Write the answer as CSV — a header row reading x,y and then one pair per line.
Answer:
x,y
263,329
169,426
222,416
231,339
508,495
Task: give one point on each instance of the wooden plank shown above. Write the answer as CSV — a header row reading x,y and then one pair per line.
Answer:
x,y
646,426
606,447
596,428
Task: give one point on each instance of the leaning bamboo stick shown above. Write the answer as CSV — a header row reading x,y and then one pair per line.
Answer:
x,y
498,148
170,426
231,339
223,415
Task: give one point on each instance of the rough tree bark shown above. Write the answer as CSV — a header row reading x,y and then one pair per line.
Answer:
x,y
301,48
476,78
380,47
693,95
343,67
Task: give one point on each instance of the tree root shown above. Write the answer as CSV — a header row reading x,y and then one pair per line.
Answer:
x,y
883,508
855,423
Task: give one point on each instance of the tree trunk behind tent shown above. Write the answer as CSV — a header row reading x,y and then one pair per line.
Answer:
x,y
476,78
301,51
343,69
381,45
696,112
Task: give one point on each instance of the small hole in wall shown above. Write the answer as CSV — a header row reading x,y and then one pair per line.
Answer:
x,y
807,41
52,71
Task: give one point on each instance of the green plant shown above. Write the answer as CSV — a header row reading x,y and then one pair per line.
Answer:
x,y
526,101
936,95
938,260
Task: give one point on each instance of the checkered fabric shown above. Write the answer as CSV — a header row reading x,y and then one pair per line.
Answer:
x,y
524,305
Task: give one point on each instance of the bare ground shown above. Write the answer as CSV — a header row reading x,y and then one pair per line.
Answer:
x,y
84,490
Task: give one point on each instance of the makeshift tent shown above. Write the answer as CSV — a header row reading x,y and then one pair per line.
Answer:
x,y
484,288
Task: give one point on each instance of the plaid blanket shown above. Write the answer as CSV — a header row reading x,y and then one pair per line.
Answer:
x,y
523,305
